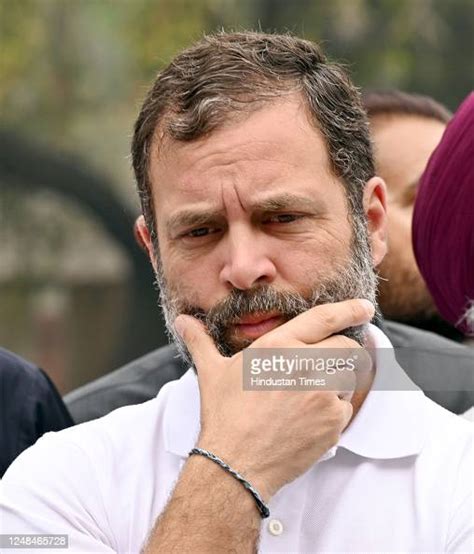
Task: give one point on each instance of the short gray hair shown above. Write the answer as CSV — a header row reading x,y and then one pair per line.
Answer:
x,y
225,74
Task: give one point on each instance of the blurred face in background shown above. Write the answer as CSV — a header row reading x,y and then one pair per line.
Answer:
x,y
403,145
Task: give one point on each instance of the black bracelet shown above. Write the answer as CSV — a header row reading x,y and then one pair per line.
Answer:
x,y
262,507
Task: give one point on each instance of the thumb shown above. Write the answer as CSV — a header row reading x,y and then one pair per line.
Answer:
x,y
199,343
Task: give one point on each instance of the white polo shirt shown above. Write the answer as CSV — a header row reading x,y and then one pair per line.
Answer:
x,y
400,479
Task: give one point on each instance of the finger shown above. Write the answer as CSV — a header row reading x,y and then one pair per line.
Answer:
x,y
359,359
199,343
336,346
348,410
339,363
346,395
354,363
335,362
323,321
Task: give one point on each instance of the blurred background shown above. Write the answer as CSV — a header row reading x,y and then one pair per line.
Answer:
x,y
76,292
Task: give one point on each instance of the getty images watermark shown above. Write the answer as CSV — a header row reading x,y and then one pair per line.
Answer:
x,y
303,368
350,369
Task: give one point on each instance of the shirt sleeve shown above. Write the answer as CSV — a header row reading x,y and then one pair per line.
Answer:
x,y
51,488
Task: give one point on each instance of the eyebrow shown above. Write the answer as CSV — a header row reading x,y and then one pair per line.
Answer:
x,y
284,201
287,201
189,218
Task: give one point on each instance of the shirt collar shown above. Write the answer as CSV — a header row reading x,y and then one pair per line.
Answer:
x,y
390,423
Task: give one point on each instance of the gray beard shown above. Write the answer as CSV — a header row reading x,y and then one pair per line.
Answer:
x,y
356,279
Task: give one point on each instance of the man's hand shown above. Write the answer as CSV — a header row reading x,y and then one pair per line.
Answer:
x,y
272,437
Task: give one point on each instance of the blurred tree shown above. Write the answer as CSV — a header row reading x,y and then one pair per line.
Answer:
x,y
155,30
418,45
68,66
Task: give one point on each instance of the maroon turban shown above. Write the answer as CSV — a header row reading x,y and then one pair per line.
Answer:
x,y
443,220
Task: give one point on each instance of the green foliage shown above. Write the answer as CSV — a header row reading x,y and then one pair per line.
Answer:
x,y
418,45
74,71
155,30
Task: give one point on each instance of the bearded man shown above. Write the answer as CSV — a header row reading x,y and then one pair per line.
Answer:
x,y
264,221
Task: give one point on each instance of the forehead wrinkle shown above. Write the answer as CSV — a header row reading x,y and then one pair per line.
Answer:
x,y
232,155
187,167
239,176
195,158
284,200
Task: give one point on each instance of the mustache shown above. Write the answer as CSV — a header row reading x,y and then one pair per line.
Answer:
x,y
220,319
263,299
240,303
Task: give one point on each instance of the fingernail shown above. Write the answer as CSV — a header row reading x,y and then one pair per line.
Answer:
x,y
368,305
179,325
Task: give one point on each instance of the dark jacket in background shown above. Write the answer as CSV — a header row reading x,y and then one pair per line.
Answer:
x,y
443,369
29,407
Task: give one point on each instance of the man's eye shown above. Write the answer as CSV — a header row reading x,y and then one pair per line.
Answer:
x,y
283,218
200,232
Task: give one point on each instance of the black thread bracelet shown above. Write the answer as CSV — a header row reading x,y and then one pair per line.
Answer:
x,y
262,507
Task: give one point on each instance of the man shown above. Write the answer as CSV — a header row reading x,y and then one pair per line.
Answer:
x,y
264,220
405,129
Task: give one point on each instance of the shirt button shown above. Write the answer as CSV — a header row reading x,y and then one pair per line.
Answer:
x,y
275,526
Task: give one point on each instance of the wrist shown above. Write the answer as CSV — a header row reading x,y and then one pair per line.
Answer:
x,y
261,505
250,469
205,474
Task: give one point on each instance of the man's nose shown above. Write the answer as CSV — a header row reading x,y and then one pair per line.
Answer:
x,y
247,261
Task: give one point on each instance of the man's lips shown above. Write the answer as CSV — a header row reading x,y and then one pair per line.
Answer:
x,y
254,326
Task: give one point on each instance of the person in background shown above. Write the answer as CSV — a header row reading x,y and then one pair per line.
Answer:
x,y
30,406
405,129
443,222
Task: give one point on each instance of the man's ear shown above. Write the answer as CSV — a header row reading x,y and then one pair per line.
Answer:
x,y
143,238
375,207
